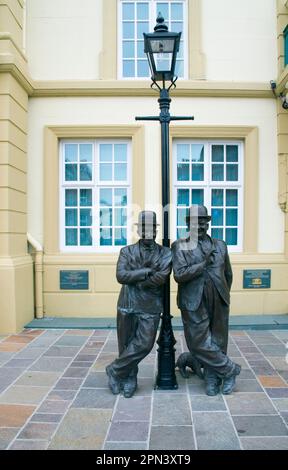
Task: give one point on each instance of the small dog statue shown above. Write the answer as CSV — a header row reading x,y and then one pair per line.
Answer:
x,y
186,359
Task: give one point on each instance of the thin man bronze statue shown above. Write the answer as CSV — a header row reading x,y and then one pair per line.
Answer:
x,y
203,272
142,269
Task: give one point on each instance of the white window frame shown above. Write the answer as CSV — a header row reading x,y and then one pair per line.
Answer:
x,y
152,22
208,184
95,185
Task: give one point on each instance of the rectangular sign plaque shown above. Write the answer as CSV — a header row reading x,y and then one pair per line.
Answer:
x,y
74,280
257,278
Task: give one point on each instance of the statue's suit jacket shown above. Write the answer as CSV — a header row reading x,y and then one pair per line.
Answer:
x,y
190,272
140,293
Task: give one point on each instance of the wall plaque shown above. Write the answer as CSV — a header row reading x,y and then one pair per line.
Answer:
x,y
257,278
74,280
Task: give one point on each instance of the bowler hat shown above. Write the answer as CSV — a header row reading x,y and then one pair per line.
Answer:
x,y
198,211
147,218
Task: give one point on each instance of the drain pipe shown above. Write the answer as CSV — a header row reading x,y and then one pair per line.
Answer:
x,y
38,275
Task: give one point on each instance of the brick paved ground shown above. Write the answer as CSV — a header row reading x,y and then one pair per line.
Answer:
x,y
54,395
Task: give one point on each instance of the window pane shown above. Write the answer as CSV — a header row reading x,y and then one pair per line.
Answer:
x,y
163,9
142,11
183,152
71,217
85,152
217,233
176,11
128,11
120,196
179,68
128,49
85,197
105,236
231,197
106,197
85,217
70,172
217,172
85,237
128,68
232,217
231,236
182,233
197,153
217,217
232,153
71,197
120,217
140,50
85,172
183,172
105,217
105,152
198,196
120,172
197,172
176,26
128,30
217,197
181,216
142,68
71,236
106,171
142,27
120,236
180,54
71,152
183,197
232,172
120,153
217,153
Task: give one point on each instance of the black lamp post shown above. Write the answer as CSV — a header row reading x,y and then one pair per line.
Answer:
x,y
161,48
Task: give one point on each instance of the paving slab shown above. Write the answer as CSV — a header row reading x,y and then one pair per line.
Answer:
x,y
260,426
169,409
172,437
265,443
249,404
215,431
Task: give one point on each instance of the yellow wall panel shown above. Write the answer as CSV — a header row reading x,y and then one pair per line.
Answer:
x,y
13,178
10,107
9,24
13,222
11,155
12,199
10,133
80,305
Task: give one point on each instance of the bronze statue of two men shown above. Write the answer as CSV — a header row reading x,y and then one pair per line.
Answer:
x,y
203,272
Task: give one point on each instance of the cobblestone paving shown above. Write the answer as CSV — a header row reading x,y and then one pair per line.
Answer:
x,y
54,395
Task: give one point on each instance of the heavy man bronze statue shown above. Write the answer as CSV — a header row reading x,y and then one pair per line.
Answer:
x,y
142,269
203,272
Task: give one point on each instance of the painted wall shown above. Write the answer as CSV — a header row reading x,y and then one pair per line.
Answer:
x,y
240,39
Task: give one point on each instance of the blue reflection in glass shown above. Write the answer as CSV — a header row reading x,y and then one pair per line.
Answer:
x,y
142,68
85,197
120,195
176,11
106,197
231,236
140,50
217,153
232,217
85,152
182,233
142,27
85,172
105,152
232,172
176,26
183,172
120,152
181,216
71,197
128,11
217,172
85,217
183,197
105,236
70,172
128,30
163,8
142,11
217,197
105,171
217,217
105,217
71,236
120,217
85,237
71,152
128,68
120,236
198,196
197,172
183,152
217,233
231,197
179,68
71,217
120,172
197,151
232,153
128,49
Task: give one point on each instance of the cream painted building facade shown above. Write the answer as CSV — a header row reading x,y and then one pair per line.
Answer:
x,y
75,167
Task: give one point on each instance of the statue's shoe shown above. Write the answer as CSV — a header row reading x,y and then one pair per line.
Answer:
x,y
113,382
229,382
